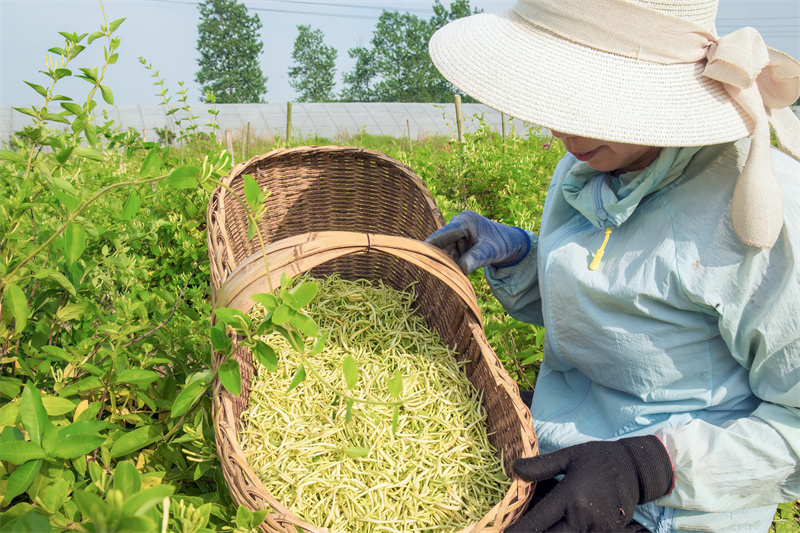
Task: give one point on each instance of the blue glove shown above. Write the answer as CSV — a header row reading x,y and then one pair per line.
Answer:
x,y
474,242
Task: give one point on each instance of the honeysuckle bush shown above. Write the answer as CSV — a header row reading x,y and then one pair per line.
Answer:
x,y
105,422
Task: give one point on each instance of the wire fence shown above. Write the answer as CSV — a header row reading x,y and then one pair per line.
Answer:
x,y
335,121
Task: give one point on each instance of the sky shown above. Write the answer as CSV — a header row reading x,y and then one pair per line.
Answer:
x,y
164,34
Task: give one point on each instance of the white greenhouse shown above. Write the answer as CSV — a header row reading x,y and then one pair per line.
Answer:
x,y
334,121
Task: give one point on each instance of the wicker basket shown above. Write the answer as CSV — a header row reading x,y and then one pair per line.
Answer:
x,y
360,214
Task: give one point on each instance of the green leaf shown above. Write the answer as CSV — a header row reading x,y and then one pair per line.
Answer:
x,y
298,378
131,205
114,25
72,311
108,96
266,355
89,73
49,439
73,446
357,451
38,88
305,292
14,157
296,342
69,202
63,155
55,117
93,36
289,299
395,384
230,377
135,440
80,123
88,153
30,522
282,314
81,386
9,414
83,427
72,108
319,344
187,397
56,406
90,505
252,192
269,301
17,304
234,318
21,478
34,416
77,49
55,496
74,242
127,479
350,371
244,517
26,111
184,177
305,324
17,452
258,518
219,338
91,133
151,165
137,376
58,277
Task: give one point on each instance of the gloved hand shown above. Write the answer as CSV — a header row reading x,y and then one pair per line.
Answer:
x,y
474,242
603,481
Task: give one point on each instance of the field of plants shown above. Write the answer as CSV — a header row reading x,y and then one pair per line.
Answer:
x,y
105,339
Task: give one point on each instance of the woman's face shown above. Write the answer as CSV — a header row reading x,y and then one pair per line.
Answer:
x,y
608,156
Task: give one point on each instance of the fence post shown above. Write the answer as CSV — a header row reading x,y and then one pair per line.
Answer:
x,y
229,140
408,127
246,142
288,122
503,124
459,119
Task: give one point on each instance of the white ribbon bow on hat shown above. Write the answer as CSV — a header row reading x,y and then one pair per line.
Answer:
x,y
762,81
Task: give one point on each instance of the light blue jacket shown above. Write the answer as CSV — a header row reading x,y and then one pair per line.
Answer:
x,y
682,332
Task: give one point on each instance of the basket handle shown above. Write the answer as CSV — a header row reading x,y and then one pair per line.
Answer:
x,y
300,253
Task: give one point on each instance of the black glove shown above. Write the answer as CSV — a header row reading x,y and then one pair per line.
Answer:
x,y
602,483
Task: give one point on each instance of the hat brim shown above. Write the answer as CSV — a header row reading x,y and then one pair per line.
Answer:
x,y
533,75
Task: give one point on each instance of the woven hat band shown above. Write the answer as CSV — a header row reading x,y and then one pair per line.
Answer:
x,y
620,27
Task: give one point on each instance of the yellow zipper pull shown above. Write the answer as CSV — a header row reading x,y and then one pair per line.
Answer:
x,y
598,255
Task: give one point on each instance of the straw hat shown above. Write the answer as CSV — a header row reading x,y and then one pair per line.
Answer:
x,y
647,72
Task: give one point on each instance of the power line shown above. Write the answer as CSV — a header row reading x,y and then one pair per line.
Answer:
x,y
310,13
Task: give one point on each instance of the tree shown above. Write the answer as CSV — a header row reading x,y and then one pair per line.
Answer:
x,y
358,82
314,70
398,67
229,44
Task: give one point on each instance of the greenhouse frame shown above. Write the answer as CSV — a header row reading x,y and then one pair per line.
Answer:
x,y
335,121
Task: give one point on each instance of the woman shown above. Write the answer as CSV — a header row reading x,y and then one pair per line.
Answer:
x,y
667,268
